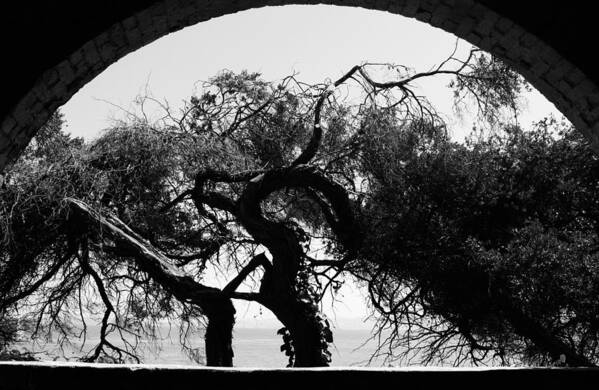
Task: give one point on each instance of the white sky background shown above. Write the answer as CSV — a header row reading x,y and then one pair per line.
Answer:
x,y
317,42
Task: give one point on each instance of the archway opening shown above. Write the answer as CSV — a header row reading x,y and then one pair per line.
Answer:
x,y
125,28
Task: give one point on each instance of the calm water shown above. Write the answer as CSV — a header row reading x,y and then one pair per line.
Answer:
x,y
252,348
261,348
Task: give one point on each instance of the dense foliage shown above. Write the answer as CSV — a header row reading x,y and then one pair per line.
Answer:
x,y
490,250
469,252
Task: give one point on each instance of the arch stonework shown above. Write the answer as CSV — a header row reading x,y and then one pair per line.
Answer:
x,y
67,45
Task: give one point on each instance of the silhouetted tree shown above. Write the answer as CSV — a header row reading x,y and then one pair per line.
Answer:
x,y
490,251
248,179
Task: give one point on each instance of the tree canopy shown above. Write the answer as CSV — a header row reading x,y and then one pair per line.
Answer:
x,y
470,252
491,249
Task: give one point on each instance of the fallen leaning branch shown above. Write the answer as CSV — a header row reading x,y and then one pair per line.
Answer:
x,y
213,303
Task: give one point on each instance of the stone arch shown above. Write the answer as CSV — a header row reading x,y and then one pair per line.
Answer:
x,y
122,27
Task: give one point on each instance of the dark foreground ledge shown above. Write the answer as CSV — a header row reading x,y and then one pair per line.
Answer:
x,y
67,376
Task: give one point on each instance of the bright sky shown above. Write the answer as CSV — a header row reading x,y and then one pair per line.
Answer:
x,y
318,42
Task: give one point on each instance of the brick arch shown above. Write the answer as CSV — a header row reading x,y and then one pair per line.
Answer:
x,y
101,34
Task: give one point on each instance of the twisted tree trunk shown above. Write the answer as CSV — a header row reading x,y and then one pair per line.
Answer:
x,y
281,289
310,347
